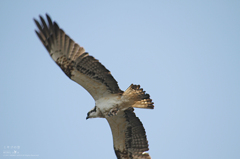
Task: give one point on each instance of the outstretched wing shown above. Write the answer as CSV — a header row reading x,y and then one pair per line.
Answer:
x,y
129,136
75,62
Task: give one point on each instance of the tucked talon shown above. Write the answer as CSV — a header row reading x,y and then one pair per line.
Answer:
x,y
113,111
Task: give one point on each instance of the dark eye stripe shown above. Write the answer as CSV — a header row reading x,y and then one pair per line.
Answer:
x,y
94,110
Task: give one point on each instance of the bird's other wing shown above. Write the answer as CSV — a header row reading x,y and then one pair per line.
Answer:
x,y
75,62
129,136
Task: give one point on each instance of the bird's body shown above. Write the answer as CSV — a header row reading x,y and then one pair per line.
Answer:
x,y
111,102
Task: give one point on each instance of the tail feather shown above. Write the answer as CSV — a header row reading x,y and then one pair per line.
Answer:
x,y
139,97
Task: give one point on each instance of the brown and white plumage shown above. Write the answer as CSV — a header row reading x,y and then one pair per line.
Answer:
x,y
129,135
111,102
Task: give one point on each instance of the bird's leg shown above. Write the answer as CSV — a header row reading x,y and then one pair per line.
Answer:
x,y
113,111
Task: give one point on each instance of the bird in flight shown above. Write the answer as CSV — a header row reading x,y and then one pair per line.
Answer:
x,y
117,106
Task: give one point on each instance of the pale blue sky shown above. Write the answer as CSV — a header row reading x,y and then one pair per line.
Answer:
x,y
186,55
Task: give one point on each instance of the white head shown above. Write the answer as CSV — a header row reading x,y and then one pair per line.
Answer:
x,y
94,113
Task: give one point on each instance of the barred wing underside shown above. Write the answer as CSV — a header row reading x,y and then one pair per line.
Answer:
x,y
129,136
75,62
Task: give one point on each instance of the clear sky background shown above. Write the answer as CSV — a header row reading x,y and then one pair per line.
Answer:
x,y
185,54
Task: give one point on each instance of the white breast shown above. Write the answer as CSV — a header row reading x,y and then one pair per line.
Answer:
x,y
105,104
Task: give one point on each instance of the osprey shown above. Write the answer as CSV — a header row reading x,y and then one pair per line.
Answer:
x,y
129,136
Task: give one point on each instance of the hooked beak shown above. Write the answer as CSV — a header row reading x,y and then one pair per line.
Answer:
x,y
87,117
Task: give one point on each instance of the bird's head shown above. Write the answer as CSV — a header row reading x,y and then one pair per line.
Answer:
x,y
94,113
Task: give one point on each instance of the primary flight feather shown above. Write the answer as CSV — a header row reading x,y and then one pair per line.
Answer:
x,y
129,136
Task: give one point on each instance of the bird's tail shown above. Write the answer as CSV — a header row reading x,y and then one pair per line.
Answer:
x,y
138,97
